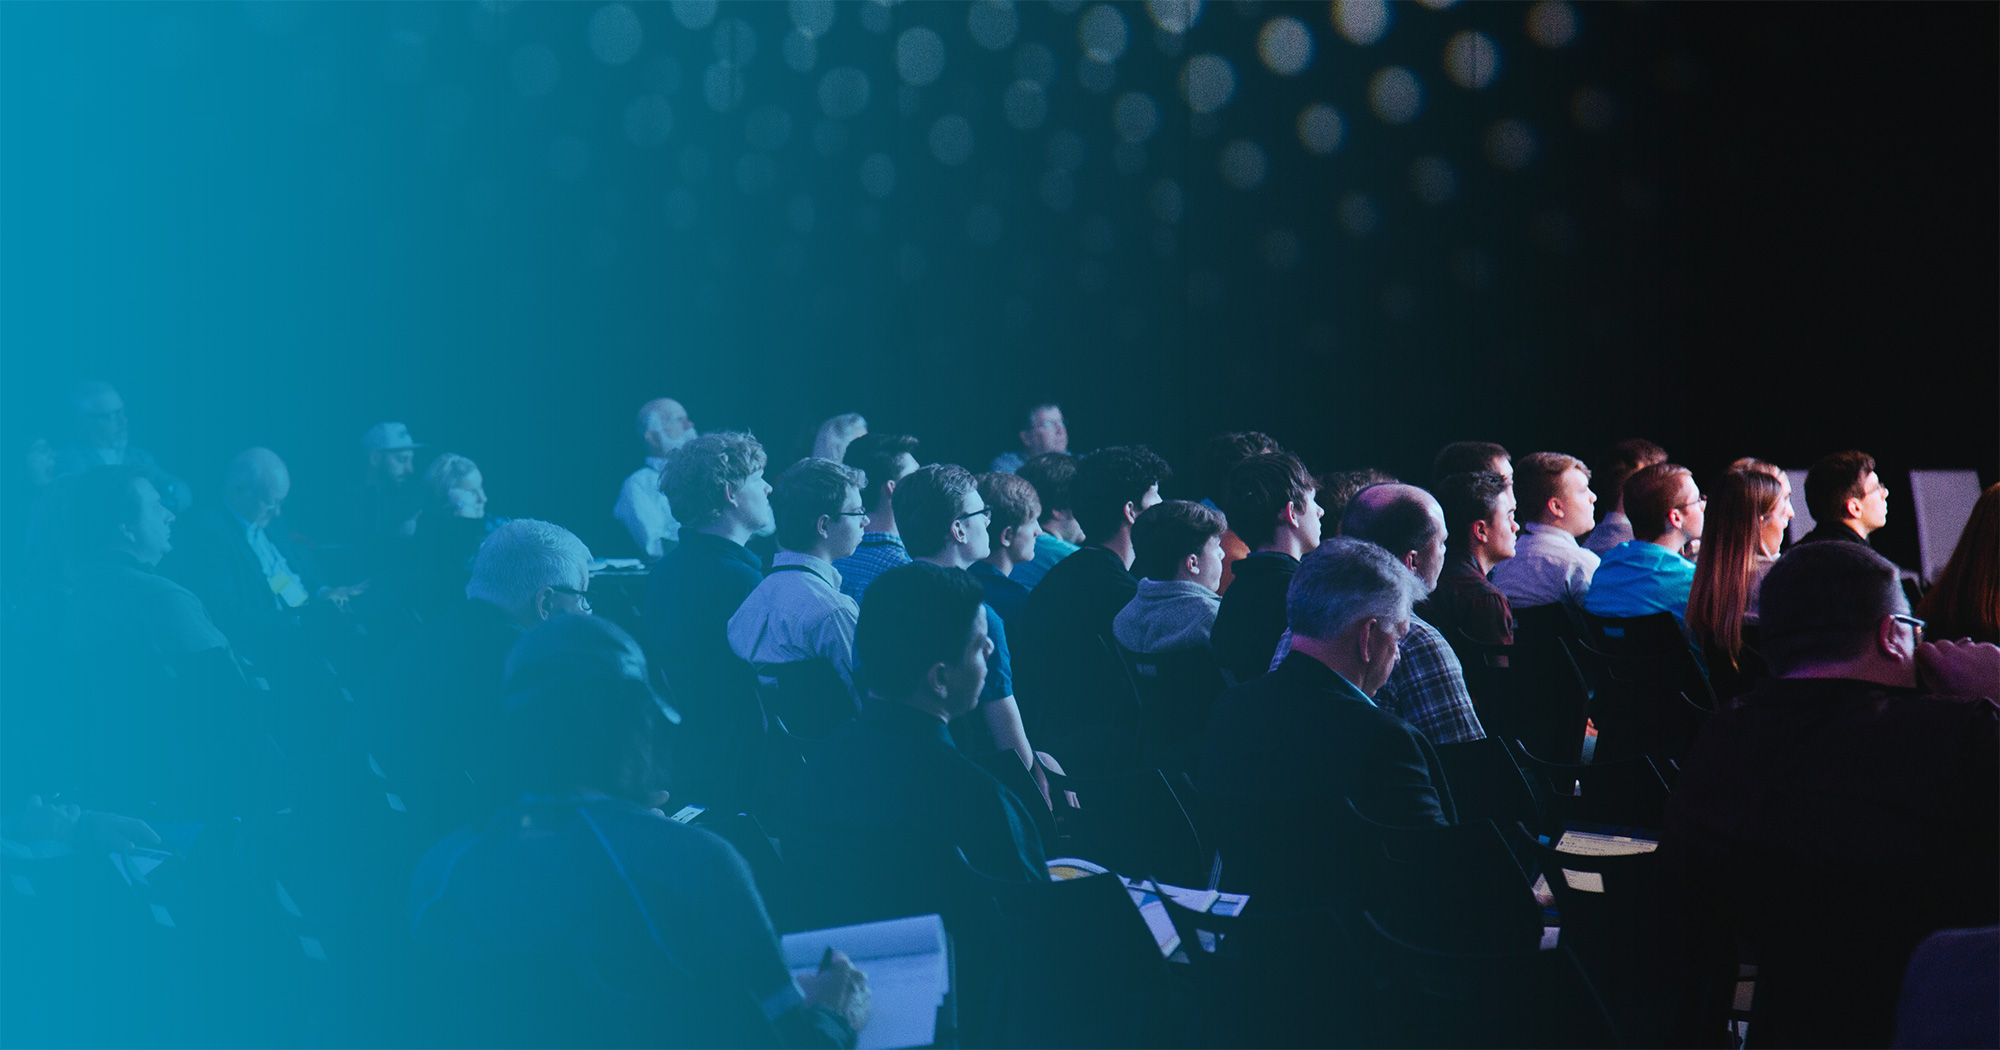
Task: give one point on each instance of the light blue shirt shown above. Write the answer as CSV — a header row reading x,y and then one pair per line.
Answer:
x,y
1548,566
1048,551
286,590
1637,578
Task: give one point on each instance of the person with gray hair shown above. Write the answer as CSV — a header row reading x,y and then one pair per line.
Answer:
x,y
642,507
836,434
1311,728
428,715
101,437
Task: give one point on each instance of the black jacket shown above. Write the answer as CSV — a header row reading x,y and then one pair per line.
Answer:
x,y
1252,617
1067,677
212,558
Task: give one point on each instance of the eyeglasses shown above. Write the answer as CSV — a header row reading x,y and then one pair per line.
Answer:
x,y
1916,625
582,599
988,511
853,513
1698,501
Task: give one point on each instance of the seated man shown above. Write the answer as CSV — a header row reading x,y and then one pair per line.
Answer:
x,y
1211,471
1614,466
896,772
1337,489
102,438
1310,729
1549,565
427,716
644,510
1177,555
1050,473
119,528
1465,457
1648,575
576,913
1848,501
1012,527
717,486
1837,814
885,459
1044,433
1067,676
1479,534
798,615
1269,500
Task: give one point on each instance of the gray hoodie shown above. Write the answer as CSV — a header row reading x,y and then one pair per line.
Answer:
x,y
1167,615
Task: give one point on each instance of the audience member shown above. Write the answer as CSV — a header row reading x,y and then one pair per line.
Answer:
x,y
1269,501
1070,677
1964,601
101,436
716,484
1467,457
644,509
1211,471
1837,814
1549,565
836,434
1613,466
1051,474
427,716
1427,686
238,557
896,772
1479,534
1310,729
453,523
1044,432
386,503
1337,488
1648,575
886,459
118,529
1012,526
577,914
1177,555
1847,501
1745,524
798,615
944,521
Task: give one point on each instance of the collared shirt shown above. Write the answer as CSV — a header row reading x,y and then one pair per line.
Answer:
x,y
879,552
1615,529
645,511
1427,688
1003,594
797,615
895,771
1638,578
1465,600
1007,463
1048,551
1167,616
1548,566
286,589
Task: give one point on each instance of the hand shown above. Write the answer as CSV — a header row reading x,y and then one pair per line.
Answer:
x,y
340,596
113,832
656,802
1960,668
45,823
839,987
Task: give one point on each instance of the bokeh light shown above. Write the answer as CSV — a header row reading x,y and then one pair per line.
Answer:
x,y
615,34
1320,128
951,139
992,23
1103,33
919,56
1362,22
1510,145
1285,45
1243,164
1471,59
843,92
1174,16
1207,82
1396,95
1025,104
1552,23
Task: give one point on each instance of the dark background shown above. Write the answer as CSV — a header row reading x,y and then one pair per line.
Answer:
x,y
276,225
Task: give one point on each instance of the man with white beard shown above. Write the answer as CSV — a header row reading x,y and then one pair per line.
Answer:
x,y
664,426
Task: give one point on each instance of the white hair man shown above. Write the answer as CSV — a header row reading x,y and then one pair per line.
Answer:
x,y
643,509
428,714
101,437
1311,727
836,434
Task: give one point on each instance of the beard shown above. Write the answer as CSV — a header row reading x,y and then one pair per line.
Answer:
x,y
669,444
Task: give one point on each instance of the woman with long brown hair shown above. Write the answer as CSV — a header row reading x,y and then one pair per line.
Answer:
x,y
1965,600
1747,513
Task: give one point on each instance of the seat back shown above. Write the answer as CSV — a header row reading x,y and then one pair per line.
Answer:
x,y
1615,917
1944,500
1459,886
1487,783
1135,823
1628,793
1529,998
1176,691
1646,703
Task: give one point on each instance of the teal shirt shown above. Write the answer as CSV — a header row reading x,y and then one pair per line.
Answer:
x,y
1048,551
1637,578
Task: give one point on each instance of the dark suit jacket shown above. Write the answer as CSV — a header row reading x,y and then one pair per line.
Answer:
x,y
1835,823
1304,732
1065,679
690,596
212,558
1252,617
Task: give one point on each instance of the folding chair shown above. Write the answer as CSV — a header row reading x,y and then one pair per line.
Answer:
x,y
1134,823
1616,918
1459,886
1627,793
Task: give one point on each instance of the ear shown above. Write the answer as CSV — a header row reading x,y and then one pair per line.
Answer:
x,y
729,492
1008,535
1410,561
1366,643
1480,533
934,680
1676,518
1554,508
1131,512
888,489
1292,515
1853,507
128,532
825,526
1889,636
545,603
1192,563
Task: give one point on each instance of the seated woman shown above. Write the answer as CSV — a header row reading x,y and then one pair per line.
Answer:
x,y
449,530
575,914
1748,509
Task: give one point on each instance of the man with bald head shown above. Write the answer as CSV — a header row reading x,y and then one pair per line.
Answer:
x,y
100,437
239,558
642,508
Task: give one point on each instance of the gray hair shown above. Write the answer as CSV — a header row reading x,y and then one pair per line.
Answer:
x,y
1346,581
523,556
446,471
84,393
834,435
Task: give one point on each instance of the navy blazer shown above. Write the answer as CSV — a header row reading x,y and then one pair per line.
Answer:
x,y
211,556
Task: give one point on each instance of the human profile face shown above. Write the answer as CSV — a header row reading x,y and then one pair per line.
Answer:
x,y
843,530
964,678
969,532
1021,541
668,428
1692,507
101,421
753,504
1208,564
1874,510
1311,518
395,465
1501,528
1771,527
1384,652
261,503
148,534
1046,432
1578,502
467,496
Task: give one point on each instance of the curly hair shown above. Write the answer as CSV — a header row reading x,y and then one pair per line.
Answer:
x,y
696,476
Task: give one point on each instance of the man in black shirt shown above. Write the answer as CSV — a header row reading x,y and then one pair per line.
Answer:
x,y
895,772
1269,499
1066,675
1848,501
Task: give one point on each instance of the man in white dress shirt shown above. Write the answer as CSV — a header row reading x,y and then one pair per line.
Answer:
x,y
642,507
798,613
1557,508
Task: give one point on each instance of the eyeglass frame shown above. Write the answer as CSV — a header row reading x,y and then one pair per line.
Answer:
x,y
582,599
988,511
1916,625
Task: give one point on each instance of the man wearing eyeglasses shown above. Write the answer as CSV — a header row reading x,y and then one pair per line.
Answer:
x,y
1647,575
103,439
1834,816
1045,432
798,614
1847,499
